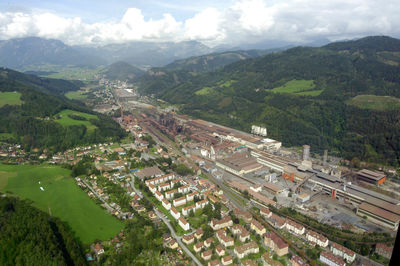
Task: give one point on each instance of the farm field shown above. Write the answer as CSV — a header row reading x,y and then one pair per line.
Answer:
x,y
374,102
76,95
65,120
11,98
298,87
61,197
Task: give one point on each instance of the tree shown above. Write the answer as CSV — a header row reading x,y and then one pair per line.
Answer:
x,y
275,199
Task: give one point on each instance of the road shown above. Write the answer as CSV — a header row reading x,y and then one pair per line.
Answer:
x,y
109,208
177,238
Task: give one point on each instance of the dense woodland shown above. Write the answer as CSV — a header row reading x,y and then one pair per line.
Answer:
x,y
31,237
240,94
32,124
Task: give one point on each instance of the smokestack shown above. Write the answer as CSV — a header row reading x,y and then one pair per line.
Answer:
x,y
306,153
325,156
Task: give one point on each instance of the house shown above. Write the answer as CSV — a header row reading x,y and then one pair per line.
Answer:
x,y
206,255
152,188
257,227
99,249
227,260
277,221
152,215
317,239
297,261
198,247
186,211
164,187
265,212
179,201
246,216
166,204
329,259
246,249
213,263
188,239
199,233
173,244
175,213
183,223
224,239
294,227
276,243
256,188
220,251
238,229
159,196
383,250
208,241
219,224
343,252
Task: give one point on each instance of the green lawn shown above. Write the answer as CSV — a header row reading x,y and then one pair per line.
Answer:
x,y
76,95
298,87
65,120
374,102
62,197
10,98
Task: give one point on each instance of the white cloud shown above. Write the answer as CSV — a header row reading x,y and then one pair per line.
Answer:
x,y
242,22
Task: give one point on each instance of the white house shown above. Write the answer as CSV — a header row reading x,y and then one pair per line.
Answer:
x,y
183,223
179,201
188,209
174,212
166,204
159,196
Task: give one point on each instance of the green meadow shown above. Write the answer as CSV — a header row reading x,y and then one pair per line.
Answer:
x,y
76,95
61,197
11,98
298,87
374,102
65,120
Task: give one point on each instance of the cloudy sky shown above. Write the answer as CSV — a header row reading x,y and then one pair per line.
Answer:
x,y
213,22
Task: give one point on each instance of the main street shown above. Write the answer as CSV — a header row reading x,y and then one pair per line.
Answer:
x,y
177,238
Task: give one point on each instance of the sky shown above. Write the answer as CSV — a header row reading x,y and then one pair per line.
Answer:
x,y
217,22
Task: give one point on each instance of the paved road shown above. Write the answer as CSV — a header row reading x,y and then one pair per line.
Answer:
x,y
177,238
109,208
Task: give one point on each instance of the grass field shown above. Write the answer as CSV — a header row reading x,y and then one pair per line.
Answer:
x,y
298,87
65,120
76,95
204,91
10,98
374,102
62,197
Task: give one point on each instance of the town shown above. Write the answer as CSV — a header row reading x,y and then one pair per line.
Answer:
x,y
231,197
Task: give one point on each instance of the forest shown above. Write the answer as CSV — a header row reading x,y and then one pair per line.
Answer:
x,y
33,124
32,237
242,94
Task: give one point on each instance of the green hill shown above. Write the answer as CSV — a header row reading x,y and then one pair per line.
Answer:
x,y
316,114
122,71
36,123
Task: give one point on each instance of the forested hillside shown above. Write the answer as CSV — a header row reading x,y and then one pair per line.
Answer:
x,y
122,71
302,95
31,237
35,119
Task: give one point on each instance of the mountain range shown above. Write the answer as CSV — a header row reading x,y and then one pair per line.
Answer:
x,y
343,96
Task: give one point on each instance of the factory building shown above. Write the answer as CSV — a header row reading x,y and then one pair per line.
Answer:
x,y
372,177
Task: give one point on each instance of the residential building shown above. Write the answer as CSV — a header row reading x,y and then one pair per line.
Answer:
x,y
383,250
188,239
220,251
166,204
190,196
277,221
246,249
246,216
183,223
152,188
329,259
179,201
294,227
151,172
243,234
186,211
199,233
257,227
276,243
317,239
175,213
267,260
227,260
219,224
265,212
201,204
173,244
164,187
224,239
343,252
159,196
184,189
198,247
213,263
208,241
206,255
297,261
170,194
249,262
256,188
